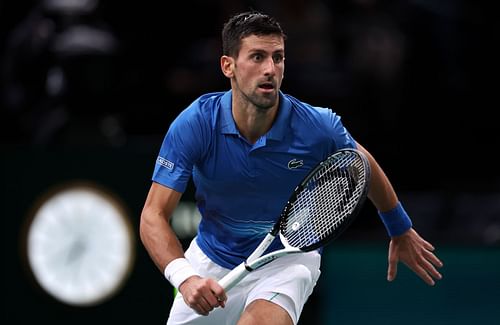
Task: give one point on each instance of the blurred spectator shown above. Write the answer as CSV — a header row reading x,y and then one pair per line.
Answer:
x,y
54,56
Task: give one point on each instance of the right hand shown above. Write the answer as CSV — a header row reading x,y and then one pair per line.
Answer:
x,y
202,294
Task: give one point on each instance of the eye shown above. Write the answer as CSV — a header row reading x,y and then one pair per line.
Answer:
x,y
258,57
278,58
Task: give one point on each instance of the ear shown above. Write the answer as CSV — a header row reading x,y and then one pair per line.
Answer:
x,y
227,65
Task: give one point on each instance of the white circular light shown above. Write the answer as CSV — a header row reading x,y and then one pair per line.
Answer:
x,y
80,245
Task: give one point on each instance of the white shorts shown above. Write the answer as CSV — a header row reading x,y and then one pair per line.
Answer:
x,y
287,281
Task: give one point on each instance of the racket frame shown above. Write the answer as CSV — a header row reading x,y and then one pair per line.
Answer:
x,y
256,260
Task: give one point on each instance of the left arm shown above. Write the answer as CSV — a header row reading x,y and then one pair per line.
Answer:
x,y
406,245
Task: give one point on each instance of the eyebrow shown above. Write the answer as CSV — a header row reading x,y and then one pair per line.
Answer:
x,y
259,50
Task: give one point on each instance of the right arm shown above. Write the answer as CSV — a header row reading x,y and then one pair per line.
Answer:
x,y
156,234
163,246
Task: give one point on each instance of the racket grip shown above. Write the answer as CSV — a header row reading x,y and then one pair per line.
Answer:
x,y
233,277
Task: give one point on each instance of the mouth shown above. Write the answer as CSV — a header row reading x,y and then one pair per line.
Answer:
x,y
266,86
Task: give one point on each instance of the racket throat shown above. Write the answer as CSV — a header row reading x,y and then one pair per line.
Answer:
x,y
248,267
266,242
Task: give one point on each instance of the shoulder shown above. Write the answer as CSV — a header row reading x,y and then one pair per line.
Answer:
x,y
204,105
202,110
317,115
208,100
319,124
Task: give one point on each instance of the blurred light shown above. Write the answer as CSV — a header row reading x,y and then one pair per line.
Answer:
x,y
185,220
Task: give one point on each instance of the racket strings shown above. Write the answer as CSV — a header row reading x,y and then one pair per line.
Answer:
x,y
325,201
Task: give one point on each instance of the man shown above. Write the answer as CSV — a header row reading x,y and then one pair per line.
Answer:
x,y
237,146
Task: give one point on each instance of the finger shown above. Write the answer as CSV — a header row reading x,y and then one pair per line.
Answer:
x,y
200,305
212,300
208,303
222,302
431,269
422,273
199,309
428,246
392,270
202,308
222,297
433,259
218,293
393,260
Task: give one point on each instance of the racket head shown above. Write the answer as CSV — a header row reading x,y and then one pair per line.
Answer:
x,y
327,200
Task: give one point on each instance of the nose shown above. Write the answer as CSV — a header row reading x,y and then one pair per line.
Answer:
x,y
269,67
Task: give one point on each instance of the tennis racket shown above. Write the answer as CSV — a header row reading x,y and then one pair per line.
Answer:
x,y
320,208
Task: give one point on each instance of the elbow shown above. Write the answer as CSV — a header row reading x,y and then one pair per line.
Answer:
x,y
151,223
146,224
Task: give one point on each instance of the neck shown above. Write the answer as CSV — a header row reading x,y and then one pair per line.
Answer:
x,y
252,121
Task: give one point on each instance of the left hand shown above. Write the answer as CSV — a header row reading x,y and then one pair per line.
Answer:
x,y
417,254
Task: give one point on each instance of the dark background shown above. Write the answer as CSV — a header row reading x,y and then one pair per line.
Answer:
x,y
87,93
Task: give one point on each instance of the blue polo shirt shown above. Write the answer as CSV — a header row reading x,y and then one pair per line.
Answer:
x,y
241,188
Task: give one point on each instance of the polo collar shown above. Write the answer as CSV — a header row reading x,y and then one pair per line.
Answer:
x,y
278,130
227,124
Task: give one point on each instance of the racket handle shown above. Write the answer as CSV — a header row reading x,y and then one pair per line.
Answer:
x,y
233,277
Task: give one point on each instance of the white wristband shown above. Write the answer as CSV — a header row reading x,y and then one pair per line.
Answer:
x,y
178,271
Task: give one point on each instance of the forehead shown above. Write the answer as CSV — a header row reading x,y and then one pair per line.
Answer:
x,y
267,43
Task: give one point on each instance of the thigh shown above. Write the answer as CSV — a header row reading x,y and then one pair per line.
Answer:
x,y
287,283
263,312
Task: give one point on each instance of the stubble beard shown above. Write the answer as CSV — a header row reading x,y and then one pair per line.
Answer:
x,y
262,102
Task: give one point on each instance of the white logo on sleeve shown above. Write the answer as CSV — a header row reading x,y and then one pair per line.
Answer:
x,y
165,163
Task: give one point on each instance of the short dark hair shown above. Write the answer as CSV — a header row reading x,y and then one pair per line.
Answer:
x,y
245,24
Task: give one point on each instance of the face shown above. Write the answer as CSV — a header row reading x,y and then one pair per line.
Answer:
x,y
256,74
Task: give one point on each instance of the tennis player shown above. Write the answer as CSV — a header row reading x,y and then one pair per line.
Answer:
x,y
246,149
